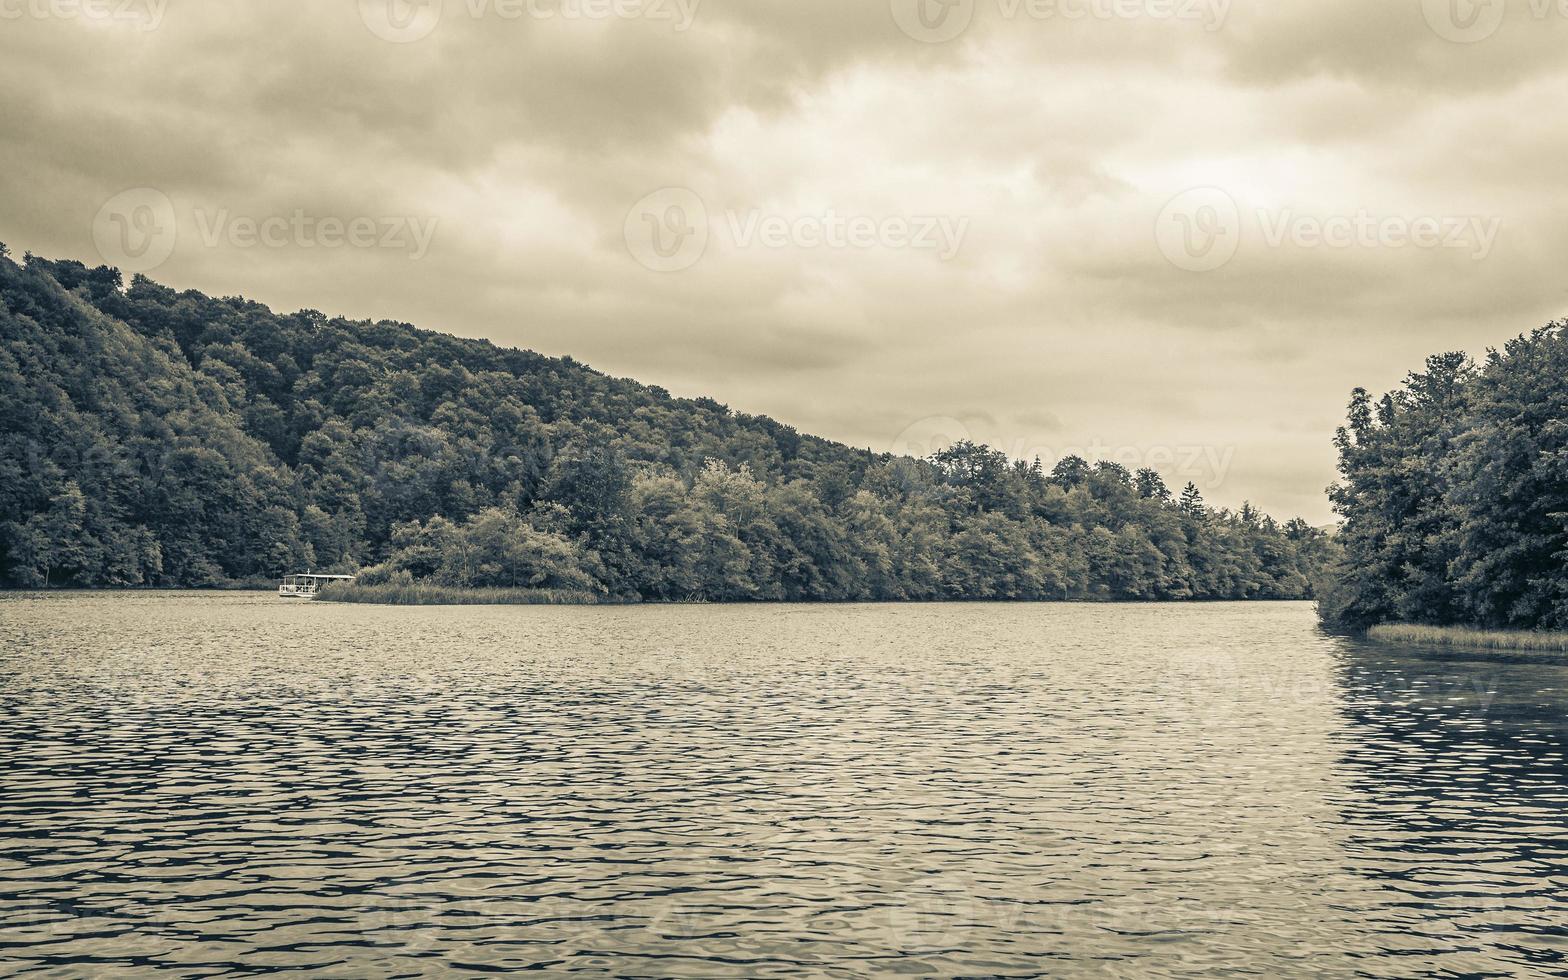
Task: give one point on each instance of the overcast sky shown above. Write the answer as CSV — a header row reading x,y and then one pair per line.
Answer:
x,y
1173,232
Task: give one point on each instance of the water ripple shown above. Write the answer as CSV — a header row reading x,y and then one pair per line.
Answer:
x,y
197,785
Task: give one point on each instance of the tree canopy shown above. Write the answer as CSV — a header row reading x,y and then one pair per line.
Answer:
x,y
1454,491
149,436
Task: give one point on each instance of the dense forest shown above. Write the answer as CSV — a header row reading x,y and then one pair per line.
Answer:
x,y
1455,494
155,437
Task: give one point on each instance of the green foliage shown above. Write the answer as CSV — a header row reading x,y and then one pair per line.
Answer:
x,y
156,437
1455,494
496,548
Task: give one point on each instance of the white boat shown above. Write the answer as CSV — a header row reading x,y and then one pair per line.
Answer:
x,y
306,586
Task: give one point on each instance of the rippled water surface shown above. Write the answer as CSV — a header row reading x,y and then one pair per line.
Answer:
x,y
198,784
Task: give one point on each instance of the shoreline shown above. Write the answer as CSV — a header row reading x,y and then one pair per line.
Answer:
x,y
407,594
460,597
403,594
1463,637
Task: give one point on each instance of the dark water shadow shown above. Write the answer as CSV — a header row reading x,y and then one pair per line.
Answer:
x,y
1459,801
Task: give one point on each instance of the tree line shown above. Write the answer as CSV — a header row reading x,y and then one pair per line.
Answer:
x,y
155,437
1454,492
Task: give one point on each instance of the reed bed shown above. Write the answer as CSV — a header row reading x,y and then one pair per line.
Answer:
x,y
417,594
1457,636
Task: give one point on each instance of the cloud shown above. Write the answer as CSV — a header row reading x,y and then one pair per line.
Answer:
x,y
1057,144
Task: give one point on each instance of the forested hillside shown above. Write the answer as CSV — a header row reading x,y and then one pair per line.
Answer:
x,y
1455,494
164,438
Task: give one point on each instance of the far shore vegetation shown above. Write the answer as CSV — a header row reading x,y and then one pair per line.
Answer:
x,y
409,593
1454,491
1464,637
153,437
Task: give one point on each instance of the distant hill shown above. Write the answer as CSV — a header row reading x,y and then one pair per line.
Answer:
x,y
154,437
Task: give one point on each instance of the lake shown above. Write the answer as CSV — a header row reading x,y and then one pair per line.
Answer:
x,y
201,783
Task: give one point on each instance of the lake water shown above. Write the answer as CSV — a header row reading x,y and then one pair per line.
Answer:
x,y
194,784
